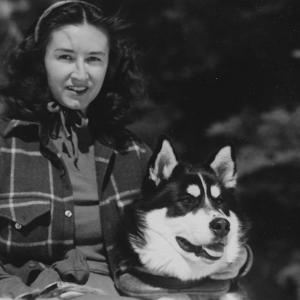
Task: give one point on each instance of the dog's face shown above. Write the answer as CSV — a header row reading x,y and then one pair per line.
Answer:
x,y
188,228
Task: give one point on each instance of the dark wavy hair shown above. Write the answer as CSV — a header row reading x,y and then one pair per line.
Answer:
x,y
123,84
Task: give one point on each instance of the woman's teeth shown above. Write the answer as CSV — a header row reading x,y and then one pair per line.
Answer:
x,y
77,90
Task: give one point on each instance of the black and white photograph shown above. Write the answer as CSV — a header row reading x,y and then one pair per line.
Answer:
x,y
149,149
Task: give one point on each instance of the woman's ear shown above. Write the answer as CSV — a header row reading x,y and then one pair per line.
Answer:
x,y
224,166
162,162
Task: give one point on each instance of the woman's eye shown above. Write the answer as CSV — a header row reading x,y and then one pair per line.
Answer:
x,y
65,57
94,59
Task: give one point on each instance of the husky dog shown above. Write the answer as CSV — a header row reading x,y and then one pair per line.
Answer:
x,y
186,225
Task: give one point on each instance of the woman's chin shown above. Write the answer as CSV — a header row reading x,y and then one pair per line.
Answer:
x,y
74,105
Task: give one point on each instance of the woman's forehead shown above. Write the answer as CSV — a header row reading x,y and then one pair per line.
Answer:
x,y
79,37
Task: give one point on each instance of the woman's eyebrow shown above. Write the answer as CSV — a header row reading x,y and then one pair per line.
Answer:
x,y
64,50
97,53
72,51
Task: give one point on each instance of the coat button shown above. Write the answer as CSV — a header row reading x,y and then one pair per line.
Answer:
x,y
68,213
18,226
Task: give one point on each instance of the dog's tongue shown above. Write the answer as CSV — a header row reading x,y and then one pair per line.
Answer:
x,y
215,250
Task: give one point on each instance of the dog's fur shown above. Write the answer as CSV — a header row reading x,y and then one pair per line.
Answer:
x,y
186,226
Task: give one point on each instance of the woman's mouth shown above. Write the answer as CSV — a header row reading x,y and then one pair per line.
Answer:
x,y
78,90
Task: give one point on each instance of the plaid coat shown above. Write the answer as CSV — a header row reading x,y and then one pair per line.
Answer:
x,y
36,203
36,216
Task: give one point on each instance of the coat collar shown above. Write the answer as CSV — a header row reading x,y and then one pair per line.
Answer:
x,y
9,126
104,146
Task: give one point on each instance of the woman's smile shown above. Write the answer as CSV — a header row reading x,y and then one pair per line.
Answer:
x,y
76,61
78,90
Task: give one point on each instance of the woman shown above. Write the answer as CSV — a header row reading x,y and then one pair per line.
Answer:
x,y
68,166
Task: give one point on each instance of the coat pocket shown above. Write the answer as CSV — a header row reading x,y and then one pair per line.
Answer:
x,y
24,224
22,212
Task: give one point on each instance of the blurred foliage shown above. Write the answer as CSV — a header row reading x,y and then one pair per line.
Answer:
x,y
268,160
211,59
264,139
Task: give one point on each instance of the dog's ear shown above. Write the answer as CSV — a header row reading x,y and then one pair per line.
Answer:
x,y
162,162
224,166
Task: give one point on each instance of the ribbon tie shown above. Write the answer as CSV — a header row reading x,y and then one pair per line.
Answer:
x,y
69,125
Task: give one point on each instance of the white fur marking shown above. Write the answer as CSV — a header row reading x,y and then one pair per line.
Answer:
x,y
164,165
215,191
194,190
232,296
224,166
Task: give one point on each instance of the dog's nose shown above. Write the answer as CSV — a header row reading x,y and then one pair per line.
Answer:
x,y
220,227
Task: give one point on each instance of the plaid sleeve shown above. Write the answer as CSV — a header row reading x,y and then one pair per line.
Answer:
x,y
124,177
12,286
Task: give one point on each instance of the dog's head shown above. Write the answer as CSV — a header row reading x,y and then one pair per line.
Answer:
x,y
187,226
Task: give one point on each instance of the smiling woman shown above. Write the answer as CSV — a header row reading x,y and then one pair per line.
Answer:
x,y
86,39
76,61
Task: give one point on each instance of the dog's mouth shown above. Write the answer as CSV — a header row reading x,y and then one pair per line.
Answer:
x,y
212,251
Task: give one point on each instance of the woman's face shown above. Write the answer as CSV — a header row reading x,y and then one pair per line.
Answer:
x,y
76,61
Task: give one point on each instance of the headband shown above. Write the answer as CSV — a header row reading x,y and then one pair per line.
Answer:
x,y
50,9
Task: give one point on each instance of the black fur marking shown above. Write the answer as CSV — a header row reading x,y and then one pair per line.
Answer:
x,y
173,193
226,200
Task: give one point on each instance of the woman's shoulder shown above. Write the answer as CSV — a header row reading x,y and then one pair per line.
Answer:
x,y
20,129
5,125
124,141
136,143
138,146
131,152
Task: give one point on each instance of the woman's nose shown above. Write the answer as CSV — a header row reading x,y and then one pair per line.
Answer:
x,y
80,72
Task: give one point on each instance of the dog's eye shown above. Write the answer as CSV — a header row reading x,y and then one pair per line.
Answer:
x,y
219,201
187,200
